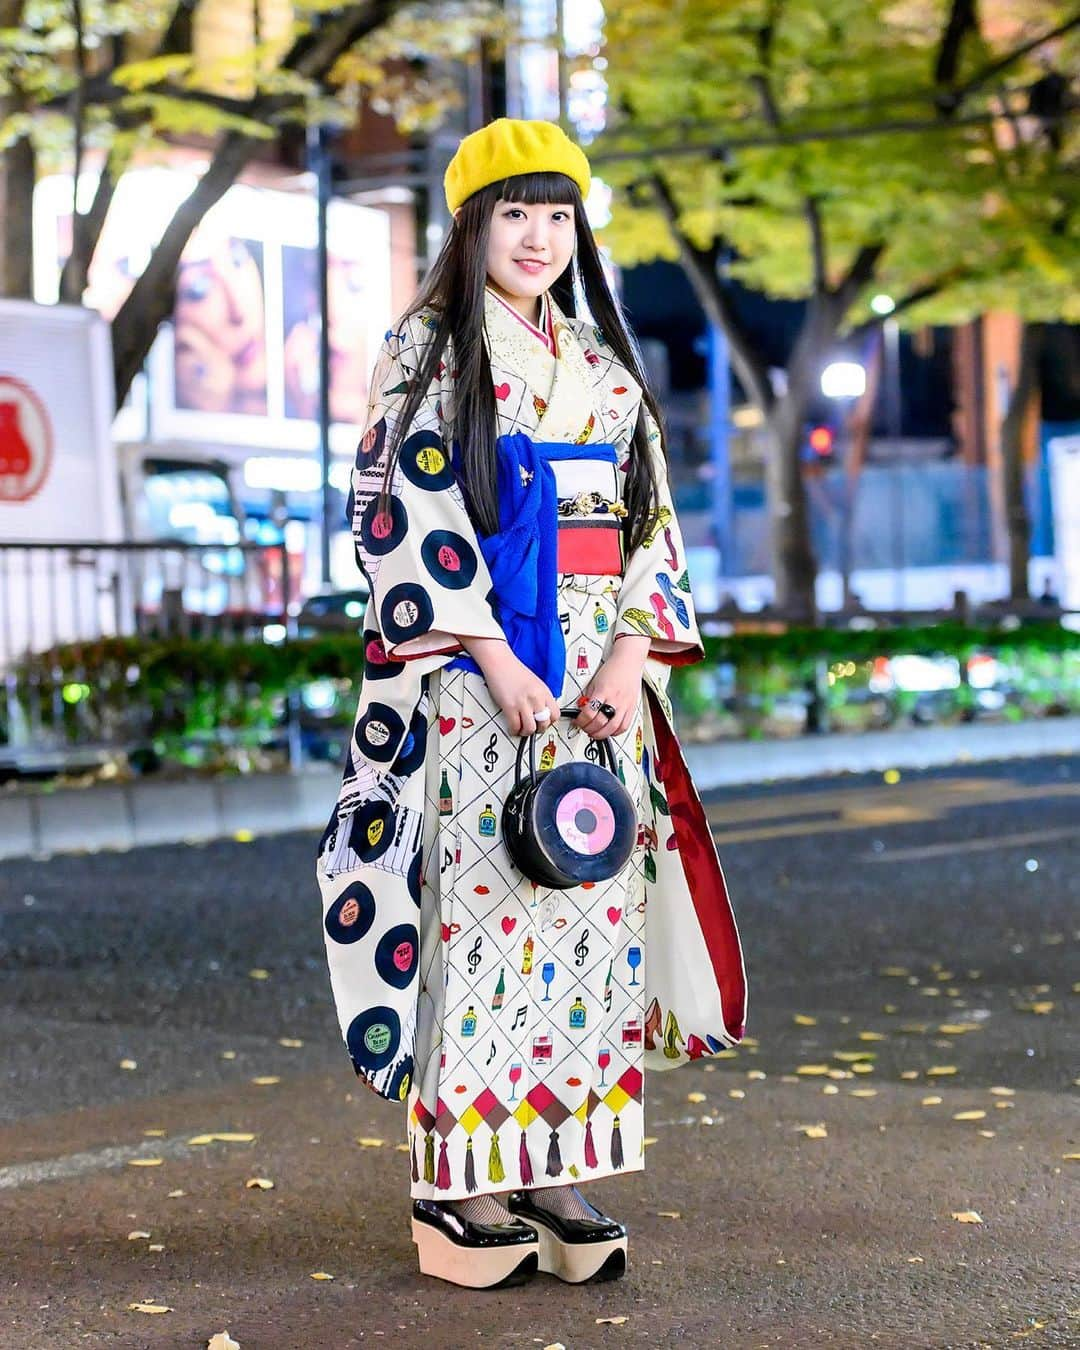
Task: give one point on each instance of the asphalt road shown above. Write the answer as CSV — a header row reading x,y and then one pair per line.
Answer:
x,y
929,924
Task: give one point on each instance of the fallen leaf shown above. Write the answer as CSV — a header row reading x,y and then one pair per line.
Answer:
x,y
149,1307
154,1134
801,1020
890,1008
809,1070
266,1080
1005,1106
841,1073
829,1090
555,1345
222,1341
912,1260
320,1275
290,1042
668,1214
853,1056
756,1075
696,1097
862,1067
987,1134
156,1247
957,1028
366,1142
941,1070
872,1036
1070,1157
970,1115
129,1064
649,1139
228,1054
1003,1091
145,1162
258,974
401,1148
862,1092
199,1139
909,1073
137,1233
612,1321
728,1054
259,1183
175,1195
932,1101
894,970
813,1131
737,1093
1041,1008
967,1216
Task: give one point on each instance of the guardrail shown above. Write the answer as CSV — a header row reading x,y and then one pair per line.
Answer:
x,y
82,593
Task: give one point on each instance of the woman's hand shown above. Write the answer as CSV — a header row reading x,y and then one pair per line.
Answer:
x,y
618,684
518,692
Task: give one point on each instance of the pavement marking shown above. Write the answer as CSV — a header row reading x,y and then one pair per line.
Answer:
x,y
970,845
834,813
96,1160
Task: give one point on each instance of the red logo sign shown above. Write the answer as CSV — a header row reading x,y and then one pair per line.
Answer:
x,y
26,441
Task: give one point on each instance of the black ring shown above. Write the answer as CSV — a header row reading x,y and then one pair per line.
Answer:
x,y
607,709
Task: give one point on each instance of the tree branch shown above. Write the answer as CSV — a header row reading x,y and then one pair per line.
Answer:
x,y
700,269
991,71
963,19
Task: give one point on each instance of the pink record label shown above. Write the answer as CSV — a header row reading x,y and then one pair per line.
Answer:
x,y
585,821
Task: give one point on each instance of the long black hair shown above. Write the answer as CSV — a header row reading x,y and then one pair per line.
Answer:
x,y
454,290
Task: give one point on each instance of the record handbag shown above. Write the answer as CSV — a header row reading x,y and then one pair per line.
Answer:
x,y
570,824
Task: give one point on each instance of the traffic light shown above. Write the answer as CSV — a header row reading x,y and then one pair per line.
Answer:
x,y
821,442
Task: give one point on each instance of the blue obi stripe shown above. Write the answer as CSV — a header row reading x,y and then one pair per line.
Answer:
x,y
521,556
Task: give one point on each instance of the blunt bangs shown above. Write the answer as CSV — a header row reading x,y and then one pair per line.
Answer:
x,y
536,189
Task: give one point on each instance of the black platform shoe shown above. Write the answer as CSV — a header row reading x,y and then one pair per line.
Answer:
x,y
576,1250
479,1255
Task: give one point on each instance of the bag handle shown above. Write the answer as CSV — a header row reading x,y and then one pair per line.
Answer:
x,y
570,714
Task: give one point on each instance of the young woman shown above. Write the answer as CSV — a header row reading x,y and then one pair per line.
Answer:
x,y
512,513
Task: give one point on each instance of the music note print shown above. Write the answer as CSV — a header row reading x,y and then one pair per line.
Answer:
x,y
491,1054
474,958
581,948
491,755
519,1016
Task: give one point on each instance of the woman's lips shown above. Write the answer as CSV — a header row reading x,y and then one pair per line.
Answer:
x,y
530,265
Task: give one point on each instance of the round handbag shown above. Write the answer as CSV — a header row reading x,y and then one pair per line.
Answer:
x,y
573,823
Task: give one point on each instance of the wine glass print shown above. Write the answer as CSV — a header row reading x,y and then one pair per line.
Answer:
x,y
547,974
603,1059
515,1078
633,960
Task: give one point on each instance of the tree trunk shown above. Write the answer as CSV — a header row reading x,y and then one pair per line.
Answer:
x,y
17,174
794,566
1017,522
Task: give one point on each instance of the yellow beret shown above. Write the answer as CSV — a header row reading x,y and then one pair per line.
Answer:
x,y
510,146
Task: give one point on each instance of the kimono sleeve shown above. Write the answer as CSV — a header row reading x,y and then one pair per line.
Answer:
x,y
429,582
655,599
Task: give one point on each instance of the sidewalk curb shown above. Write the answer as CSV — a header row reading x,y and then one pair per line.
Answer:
x,y
132,815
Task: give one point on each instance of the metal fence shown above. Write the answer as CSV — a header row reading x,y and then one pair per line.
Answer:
x,y
57,599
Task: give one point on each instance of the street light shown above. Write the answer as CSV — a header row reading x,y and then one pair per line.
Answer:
x,y
843,379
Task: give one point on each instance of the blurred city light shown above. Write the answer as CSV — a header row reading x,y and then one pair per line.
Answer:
x,y
843,379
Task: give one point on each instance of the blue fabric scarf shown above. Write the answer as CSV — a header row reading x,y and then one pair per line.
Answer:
x,y
521,556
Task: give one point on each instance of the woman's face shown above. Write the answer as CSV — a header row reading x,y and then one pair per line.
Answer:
x,y
528,248
219,299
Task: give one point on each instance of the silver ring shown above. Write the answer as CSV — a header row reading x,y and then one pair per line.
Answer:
x,y
542,716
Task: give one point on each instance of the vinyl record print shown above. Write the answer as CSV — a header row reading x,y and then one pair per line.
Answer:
x,y
406,612
585,820
377,665
378,733
397,955
450,559
373,1038
351,915
425,463
413,747
371,447
383,525
371,830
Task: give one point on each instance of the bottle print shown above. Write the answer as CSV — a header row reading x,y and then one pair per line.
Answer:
x,y
468,1022
446,797
607,986
577,1014
486,824
600,619
582,660
527,956
637,745
500,991
547,755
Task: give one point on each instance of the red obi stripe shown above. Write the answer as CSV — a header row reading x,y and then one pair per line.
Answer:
x,y
589,549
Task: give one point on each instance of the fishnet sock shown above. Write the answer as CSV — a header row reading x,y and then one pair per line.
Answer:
x,y
563,1201
480,1209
